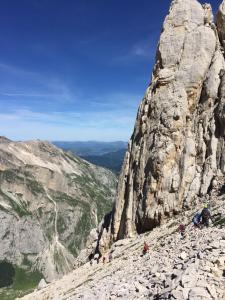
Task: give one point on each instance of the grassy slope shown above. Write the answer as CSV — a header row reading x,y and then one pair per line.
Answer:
x,y
24,283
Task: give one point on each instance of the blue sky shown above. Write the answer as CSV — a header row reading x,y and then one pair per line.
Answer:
x,y
76,69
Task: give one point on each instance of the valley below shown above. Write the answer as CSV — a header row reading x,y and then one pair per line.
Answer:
x,y
49,202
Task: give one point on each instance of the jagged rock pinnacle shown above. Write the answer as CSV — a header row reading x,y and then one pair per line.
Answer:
x,y
177,145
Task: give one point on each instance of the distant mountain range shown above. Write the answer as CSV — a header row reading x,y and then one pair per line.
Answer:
x,y
111,160
105,154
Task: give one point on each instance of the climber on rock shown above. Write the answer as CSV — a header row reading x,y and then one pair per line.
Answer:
x,y
146,248
206,215
197,220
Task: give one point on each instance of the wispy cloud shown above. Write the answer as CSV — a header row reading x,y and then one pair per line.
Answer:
x,y
141,50
26,83
116,101
73,125
71,115
24,94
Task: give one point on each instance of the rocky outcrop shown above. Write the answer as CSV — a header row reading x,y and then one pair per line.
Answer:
x,y
177,147
49,201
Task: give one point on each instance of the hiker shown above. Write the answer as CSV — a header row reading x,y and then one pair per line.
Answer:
x,y
197,220
104,259
182,231
206,215
110,257
91,258
146,248
97,257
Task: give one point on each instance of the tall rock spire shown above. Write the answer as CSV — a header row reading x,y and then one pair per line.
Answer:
x,y
220,20
176,147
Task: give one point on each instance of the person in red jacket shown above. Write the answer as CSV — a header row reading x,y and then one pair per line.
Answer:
x,y
146,248
182,231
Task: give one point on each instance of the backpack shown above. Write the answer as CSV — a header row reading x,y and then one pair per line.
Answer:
x,y
197,218
205,214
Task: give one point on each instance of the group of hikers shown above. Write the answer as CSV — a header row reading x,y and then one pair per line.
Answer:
x,y
97,257
200,219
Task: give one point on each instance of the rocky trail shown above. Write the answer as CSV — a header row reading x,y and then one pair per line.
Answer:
x,y
193,268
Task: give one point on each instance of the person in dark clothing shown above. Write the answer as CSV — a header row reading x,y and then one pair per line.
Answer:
x,y
91,258
197,220
110,257
206,216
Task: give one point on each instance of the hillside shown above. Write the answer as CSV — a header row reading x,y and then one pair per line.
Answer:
x,y
49,201
193,268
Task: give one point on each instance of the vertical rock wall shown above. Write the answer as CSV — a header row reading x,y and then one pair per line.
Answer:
x,y
177,146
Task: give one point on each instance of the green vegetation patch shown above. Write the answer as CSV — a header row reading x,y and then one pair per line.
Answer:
x,y
82,230
220,222
14,175
16,203
63,197
61,224
99,193
34,186
24,283
10,176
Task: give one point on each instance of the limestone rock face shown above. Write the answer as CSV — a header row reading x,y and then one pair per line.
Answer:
x,y
49,201
177,147
220,23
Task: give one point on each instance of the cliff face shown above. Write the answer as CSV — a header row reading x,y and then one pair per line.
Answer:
x,y
177,147
49,201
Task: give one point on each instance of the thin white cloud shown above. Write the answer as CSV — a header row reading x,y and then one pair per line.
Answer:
x,y
24,94
116,101
27,124
143,49
48,87
105,117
